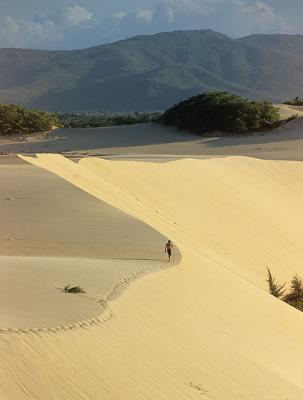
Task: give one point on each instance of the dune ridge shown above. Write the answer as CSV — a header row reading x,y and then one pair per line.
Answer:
x,y
206,328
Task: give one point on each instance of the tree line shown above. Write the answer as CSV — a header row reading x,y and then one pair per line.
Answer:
x,y
84,120
202,114
17,119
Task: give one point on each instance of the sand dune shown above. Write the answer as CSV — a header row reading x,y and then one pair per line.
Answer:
x,y
53,234
44,216
205,329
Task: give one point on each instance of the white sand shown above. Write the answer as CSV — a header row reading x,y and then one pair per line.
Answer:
x,y
205,329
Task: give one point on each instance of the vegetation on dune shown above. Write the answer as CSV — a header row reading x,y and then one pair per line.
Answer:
x,y
83,120
297,101
293,297
274,288
222,111
17,119
73,289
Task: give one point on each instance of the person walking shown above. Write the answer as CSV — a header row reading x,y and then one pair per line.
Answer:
x,y
168,249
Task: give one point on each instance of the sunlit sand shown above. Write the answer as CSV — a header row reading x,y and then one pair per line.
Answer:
x,y
206,327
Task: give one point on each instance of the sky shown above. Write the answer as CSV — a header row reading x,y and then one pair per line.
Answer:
x,y
74,24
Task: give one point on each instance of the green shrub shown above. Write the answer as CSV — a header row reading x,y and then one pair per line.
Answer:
x,y
17,119
222,111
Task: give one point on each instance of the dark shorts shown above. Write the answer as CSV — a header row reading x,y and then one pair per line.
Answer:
x,y
169,252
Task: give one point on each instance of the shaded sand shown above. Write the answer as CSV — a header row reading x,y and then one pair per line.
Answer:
x,y
62,235
205,329
31,294
151,141
43,215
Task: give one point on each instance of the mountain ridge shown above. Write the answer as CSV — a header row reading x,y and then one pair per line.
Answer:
x,y
152,72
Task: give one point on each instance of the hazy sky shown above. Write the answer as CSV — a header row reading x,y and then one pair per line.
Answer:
x,y
70,24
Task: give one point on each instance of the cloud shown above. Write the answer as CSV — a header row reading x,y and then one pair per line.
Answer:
x,y
124,24
258,8
45,31
176,8
16,32
233,17
145,15
73,16
76,26
166,15
138,15
119,15
259,17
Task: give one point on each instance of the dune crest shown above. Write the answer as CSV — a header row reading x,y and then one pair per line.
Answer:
x,y
207,327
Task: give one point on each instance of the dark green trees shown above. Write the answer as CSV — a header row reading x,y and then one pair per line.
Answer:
x,y
16,119
222,111
83,120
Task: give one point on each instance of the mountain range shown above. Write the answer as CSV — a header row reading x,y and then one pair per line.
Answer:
x,y
152,72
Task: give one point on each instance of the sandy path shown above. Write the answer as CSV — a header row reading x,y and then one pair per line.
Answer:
x,y
204,329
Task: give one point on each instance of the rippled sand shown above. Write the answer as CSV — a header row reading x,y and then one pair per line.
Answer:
x,y
207,327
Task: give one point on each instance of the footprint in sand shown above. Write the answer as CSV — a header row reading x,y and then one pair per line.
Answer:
x,y
198,387
14,198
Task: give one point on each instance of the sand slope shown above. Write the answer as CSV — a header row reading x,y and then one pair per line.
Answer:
x,y
43,215
205,329
32,297
53,234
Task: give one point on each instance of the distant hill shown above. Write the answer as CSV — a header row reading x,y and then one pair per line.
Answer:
x,y
151,72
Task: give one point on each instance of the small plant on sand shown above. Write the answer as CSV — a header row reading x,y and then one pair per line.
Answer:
x,y
294,297
274,288
73,289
